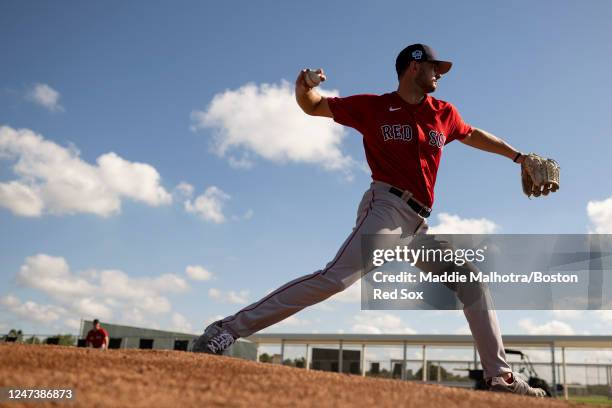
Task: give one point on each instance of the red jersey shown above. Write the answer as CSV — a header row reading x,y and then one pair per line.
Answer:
x,y
96,337
403,142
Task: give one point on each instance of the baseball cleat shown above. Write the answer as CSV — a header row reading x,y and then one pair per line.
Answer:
x,y
517,386
215,340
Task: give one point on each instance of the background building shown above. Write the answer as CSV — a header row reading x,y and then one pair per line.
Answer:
x,y
126,337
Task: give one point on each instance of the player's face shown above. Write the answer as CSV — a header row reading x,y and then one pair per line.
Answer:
x,y
427,77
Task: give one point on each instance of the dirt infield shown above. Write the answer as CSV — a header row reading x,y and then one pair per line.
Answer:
x,y
154,378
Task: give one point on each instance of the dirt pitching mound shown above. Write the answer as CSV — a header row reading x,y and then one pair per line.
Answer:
x,y
155,378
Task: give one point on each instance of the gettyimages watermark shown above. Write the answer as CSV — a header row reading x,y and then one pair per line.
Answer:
x,y
493,271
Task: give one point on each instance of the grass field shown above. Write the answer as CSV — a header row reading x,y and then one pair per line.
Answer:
x,y
592,400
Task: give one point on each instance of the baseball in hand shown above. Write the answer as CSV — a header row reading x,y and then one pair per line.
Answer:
x,y
313,78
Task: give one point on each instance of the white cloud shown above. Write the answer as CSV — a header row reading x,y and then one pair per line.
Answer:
x,y
74,324
323,306
375,322
32,311
54,179
453,224
567,314
265,120
242,163
600,215
137,317
551,327
246,216
167,282
465,329
138,181
142,293
209,206
199,273
9,301
238,298
119,285
180,324
99,293
214,293
184,189
154,304
352,294
52,275
21,199
88,306
44,95
213,319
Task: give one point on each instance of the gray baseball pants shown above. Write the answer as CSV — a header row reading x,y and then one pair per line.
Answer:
x,y
380,212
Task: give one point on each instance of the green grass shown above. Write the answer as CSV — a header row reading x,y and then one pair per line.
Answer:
x,y
592,399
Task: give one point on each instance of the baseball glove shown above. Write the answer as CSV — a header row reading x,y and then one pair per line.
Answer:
x,y
539,175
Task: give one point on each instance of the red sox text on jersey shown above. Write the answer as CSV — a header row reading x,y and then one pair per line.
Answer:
x,y
404,132
403,142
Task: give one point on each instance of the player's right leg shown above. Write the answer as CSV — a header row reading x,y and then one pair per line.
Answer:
x,y
479,311
379,213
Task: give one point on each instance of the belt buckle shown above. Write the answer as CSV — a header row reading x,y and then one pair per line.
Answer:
x,y
424,211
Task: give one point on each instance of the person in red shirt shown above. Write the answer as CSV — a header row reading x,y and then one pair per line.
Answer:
x,y
404,135
97,337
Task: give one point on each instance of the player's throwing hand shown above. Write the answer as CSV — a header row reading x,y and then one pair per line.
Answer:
x,y
308,79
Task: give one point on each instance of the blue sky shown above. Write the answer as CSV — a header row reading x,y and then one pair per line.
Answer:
x,y
155,94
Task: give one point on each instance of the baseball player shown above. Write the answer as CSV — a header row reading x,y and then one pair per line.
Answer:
x,y
404,134
97,337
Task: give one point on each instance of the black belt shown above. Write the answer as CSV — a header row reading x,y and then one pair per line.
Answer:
x,y
419,209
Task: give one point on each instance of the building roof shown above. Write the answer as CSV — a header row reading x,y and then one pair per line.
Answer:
x,y
119,330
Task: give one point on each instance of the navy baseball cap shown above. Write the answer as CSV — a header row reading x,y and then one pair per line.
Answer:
x,y
420,52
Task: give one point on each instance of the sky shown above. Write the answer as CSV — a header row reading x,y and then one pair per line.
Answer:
x,y
155,170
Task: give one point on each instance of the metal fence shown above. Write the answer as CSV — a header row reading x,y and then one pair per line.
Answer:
x,y
574,376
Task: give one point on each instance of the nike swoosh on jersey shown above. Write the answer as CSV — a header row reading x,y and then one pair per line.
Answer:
x,y
392,109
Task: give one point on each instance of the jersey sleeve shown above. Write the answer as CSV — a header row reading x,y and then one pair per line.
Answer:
x,y
89,337
459,129
353,111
